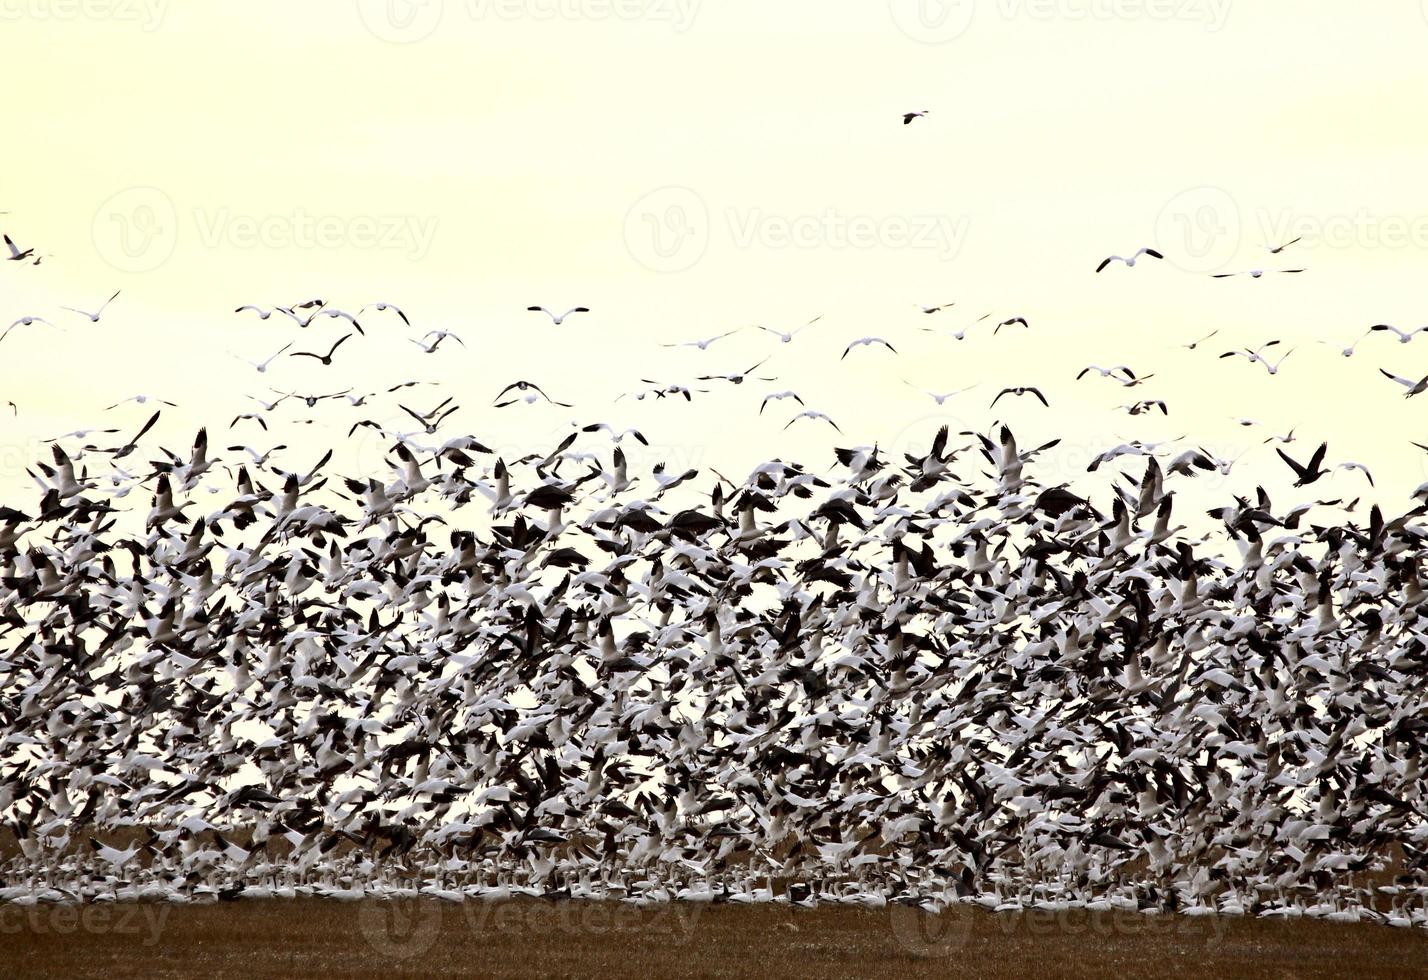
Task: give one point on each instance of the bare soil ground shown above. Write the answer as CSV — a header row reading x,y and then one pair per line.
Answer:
x,y
373,938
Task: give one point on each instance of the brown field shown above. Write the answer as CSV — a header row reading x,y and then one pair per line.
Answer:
x,y
313,937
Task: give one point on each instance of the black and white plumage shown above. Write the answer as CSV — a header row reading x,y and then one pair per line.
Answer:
x,y
1019,391
867,342
17,254
558,318
1414,387
1129,262
530,392
788,337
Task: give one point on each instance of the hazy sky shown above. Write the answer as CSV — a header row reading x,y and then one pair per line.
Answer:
x,y
686,168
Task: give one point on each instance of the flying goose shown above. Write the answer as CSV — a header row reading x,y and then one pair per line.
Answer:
x,y
704,344
531,392
944,396
557,319
93,317
383,307
1129,262
262,366
325,359
25,321
1310,472
16,255
867,342
810,414
1252,273
1414,387
1018,391
440,335
787,337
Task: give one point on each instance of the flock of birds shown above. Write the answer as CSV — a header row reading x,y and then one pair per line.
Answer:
x,y
924,678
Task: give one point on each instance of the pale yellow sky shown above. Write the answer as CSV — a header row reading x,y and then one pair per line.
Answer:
x,y
686,168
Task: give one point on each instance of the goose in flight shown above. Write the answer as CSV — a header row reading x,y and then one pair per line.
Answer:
x,y
1019,391
737,377
704,344
1349,350
908,117
616,435
1360,467
383,307
942,397
16,255
929,310
810,414
1310,472
531,392
1148,405
1256,356
1129,262
960,334
1276,249
1196,343
440,335
786,337
1404,336
662,390
269,406
1111,372
132,444
262,366
557,320
304,322
309,400
430,421
93,317
25,321
778,396
867,342
326,359
140,400
1252,273
1011,322
1414,387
